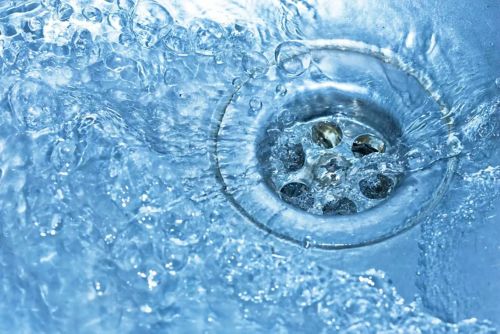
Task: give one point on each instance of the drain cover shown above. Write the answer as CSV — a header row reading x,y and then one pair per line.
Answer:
x,y
336,155
351,152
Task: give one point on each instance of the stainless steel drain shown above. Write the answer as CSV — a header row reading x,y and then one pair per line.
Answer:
x,y
343,156
333,154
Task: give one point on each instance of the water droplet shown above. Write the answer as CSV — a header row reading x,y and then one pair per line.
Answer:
x,y
281,90
207,36
92,14
64,12
255,64
293,58
255,104
150,22
177,40
497,82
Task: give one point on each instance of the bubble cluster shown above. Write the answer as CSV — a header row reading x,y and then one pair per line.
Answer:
x,y
150,22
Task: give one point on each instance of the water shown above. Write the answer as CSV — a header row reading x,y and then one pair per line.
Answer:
x,y
136,194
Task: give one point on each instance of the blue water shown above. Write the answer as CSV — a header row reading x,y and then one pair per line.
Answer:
x,y
126,201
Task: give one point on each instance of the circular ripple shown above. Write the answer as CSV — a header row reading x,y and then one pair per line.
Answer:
x,y
356,81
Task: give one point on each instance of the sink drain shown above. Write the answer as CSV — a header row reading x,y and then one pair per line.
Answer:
x,y
349,153
332,160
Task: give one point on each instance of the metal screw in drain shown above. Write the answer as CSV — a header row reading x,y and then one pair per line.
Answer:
x,y
328,161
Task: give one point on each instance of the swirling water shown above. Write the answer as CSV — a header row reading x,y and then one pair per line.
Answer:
x,y
111,216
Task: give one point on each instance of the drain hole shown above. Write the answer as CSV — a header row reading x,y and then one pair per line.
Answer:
x,y
342,207
326,134
367,144
293,157
297,194
377,186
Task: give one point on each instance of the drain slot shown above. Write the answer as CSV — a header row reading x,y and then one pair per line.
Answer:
x,y
367,144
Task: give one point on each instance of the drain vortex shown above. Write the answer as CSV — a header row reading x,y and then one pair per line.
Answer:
x,y
351,152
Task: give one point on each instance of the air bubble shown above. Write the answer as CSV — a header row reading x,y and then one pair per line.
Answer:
x,y
126,39
281,90
255,104
208,37
497,82
116,62
367,144
237,83
149,22
82,43
63,156
293,58
177,40
64,12
326,134
255,64
116,21
92,14
376,186
35,23
125,4
341,207
33,105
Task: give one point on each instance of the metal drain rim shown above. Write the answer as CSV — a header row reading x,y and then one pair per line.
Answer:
x,y
385,56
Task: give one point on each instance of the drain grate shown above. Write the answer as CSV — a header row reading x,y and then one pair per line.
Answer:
x,y
340,157
332,159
